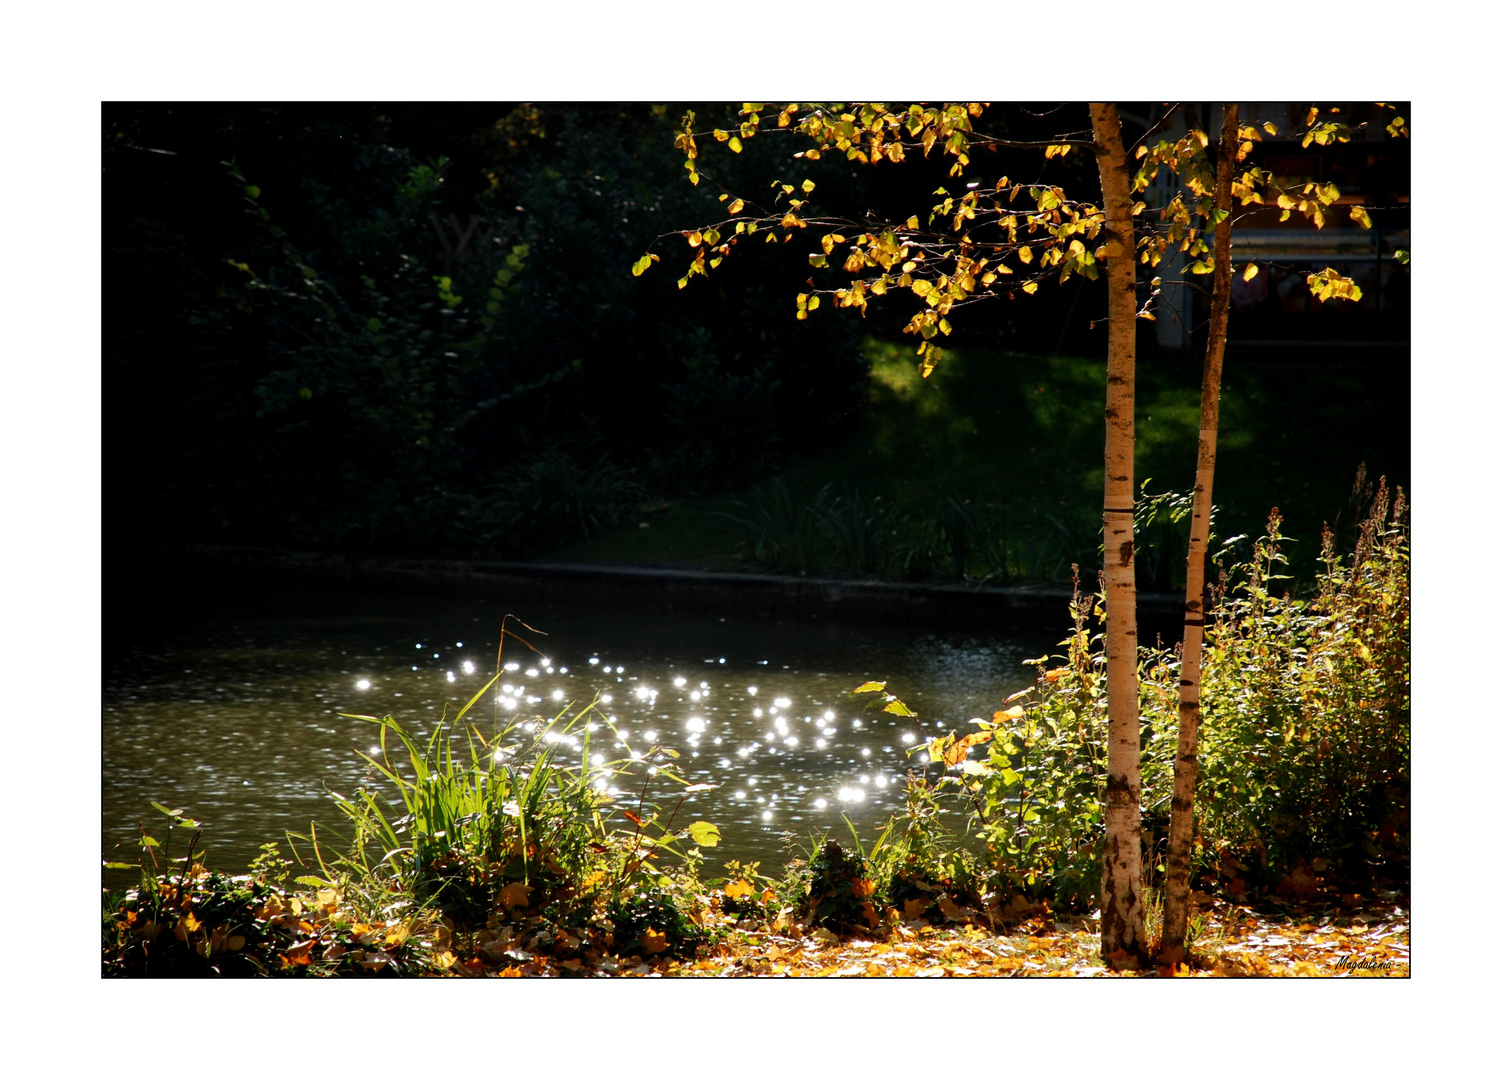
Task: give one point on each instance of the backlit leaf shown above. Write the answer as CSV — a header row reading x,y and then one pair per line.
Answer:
x,y
704,833
869,687
515,895
1250,271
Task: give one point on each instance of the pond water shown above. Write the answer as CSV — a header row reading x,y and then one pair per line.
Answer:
x,y
232,711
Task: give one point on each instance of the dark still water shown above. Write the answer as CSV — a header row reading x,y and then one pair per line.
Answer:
x,y
230,707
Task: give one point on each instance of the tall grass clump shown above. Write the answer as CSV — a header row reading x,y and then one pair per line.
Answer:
x,y
777,532
524,823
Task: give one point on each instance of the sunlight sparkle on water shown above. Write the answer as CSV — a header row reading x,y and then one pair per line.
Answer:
x,y
363,684
511,666
468,667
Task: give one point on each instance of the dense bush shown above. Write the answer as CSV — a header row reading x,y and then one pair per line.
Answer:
x,y
337,326
1305,740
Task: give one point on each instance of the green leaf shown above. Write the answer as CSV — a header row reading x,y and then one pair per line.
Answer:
x,y
120,866
171,813
704,833
897,708
869,687
312,882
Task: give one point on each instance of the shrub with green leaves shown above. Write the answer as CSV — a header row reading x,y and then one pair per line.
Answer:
x,y
1305,740
1306,706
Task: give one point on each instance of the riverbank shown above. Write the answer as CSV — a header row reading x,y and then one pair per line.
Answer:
x,y
673,588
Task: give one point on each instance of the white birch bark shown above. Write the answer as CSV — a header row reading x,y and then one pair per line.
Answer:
x,y
1123,930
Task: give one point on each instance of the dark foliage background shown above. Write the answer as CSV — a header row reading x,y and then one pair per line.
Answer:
x,y
412,328
293,357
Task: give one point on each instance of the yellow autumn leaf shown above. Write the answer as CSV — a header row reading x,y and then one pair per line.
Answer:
x,y
869,687
735,143
515,895
1024,254
737,206
1250,271
737,890
1030,287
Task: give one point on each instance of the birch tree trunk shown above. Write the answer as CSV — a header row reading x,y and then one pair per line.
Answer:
x,y
1179,851
1123,930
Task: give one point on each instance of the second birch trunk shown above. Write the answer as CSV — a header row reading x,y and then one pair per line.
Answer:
x,y
1179,850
